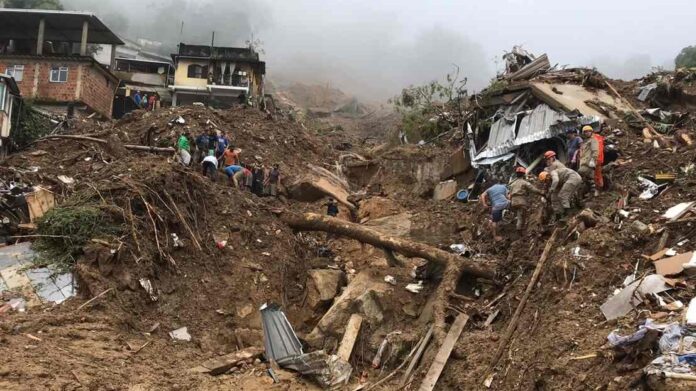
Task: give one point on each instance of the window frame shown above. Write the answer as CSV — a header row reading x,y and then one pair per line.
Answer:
x,y
12,70
3,96
192,71
59,70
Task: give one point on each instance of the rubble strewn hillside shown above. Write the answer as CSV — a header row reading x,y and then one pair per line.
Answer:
x,y
158,247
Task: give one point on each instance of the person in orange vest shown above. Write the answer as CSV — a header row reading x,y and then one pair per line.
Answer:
x,y
591,159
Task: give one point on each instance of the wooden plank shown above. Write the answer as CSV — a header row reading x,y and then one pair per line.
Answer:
x,y
416,358
349,338
443,354
39,202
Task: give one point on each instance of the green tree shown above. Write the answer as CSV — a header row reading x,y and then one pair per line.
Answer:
x,y
686,58
34,4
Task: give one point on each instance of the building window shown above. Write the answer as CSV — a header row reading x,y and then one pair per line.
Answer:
x,y
16,71
59,74
3,98
196,71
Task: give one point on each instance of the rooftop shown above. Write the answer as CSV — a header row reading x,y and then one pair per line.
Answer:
x,y
60,26
217,52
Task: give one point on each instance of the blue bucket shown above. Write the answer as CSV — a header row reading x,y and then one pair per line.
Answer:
x,y
463,195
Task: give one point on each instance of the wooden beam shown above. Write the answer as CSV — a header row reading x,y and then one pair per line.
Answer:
x,y
219,365
349,337
416,358
83,42
520,307
443,354
40,37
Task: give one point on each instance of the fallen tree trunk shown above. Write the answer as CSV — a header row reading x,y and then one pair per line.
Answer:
x,y
145,148
512,325
315,222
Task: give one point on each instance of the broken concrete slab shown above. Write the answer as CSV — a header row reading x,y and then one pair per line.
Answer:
x,y
335,319
445,190
572,97
323,286
628,298
37,284
395,225
318,183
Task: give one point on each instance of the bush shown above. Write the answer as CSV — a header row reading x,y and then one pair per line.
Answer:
x,y
31,126
65,230
686,58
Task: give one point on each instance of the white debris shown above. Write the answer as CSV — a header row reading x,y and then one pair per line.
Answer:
x,y
180,334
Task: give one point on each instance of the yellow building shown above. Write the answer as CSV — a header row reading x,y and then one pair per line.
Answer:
x,y
217,76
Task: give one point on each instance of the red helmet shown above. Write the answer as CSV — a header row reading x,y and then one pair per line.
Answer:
x,y
521,170
549,154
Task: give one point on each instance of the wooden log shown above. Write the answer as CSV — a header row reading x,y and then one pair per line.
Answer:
x,y
316,222
443,354
349,337
416,358
634,111
145,148
219,365
520,307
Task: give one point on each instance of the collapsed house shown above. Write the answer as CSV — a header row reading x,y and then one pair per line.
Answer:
x,y
528,110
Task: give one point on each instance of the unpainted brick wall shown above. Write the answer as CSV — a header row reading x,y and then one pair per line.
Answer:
x,y
97,90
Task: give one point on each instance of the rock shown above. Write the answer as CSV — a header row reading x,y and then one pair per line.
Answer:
x,y
323,286
410,309
335,319
244,311
445,190
368,303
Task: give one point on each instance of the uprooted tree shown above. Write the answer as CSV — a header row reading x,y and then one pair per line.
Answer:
x,y
454,266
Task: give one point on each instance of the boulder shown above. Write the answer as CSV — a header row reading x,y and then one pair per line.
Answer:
x,y
323,286
445,190
368,305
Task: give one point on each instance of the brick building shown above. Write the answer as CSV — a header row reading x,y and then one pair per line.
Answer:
x,y
48,55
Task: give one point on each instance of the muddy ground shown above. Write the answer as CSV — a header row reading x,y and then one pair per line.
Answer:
x,y
120,341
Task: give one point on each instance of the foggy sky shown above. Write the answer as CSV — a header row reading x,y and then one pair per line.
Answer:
x,y
373,48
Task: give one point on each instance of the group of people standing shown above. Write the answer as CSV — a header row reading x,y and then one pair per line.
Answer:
x,y
143,101
213,150
562,183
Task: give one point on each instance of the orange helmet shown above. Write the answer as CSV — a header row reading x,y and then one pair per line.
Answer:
x,y
549,154
544,176
521,170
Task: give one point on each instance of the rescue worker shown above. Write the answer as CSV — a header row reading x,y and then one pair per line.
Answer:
x,y
497,200
574,144
591,160
563,187
520,190
551,162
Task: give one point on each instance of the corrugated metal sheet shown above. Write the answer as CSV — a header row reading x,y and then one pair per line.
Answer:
x,y
279,338
500,139
539,125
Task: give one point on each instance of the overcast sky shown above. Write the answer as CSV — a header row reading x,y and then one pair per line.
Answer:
x,y
373,48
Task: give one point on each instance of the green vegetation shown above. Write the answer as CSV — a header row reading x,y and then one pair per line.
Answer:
x,y
66,229
30,125
427,111
686,58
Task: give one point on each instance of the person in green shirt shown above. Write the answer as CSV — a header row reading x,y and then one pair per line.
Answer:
x,y
184,147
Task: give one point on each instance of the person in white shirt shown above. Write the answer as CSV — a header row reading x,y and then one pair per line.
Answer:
x,y
210,165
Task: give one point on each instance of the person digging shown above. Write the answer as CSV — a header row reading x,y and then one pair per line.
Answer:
x,y
563,185
496,200
520,191
552,163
